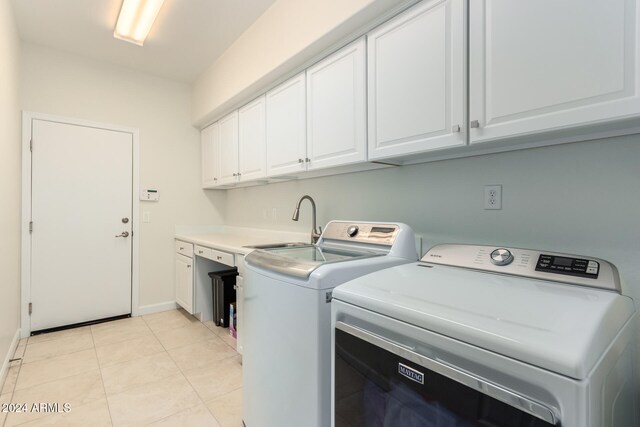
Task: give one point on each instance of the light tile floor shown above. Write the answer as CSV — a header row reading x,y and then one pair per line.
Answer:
x,y
163,369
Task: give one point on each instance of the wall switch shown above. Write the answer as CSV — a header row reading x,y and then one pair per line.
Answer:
x,y
493,196
146,216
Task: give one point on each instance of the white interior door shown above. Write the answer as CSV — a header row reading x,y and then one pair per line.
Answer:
x,y
82,183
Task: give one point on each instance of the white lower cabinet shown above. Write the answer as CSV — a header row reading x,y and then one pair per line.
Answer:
x,y
184,282
193,284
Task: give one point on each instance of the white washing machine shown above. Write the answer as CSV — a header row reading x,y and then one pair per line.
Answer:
x,y
484,336
287,317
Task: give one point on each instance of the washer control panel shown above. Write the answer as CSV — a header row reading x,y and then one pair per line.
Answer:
x,y
580,267
501,256
361,232
557,267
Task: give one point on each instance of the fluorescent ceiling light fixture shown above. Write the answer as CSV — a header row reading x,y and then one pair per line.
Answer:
x,y
135,20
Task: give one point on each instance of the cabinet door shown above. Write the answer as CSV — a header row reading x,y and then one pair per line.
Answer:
x,y
184,282
416,80
229,148
210,142
286,127
544,65
240,314
336,108
252,148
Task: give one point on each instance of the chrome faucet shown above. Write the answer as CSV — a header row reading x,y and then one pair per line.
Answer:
x,y
315,231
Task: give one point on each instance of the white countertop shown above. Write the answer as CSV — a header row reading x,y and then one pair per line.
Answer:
x,y
235,239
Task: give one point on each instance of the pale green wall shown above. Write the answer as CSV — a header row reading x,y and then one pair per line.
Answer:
x,y
581,198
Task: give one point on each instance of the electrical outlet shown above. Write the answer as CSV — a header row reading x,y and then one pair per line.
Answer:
x,y
493,197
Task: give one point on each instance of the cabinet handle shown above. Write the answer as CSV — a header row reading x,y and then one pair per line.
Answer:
x,y
455,128
235,174
474,124
199,252
307,160
188,266
300,161
218,257
239,174
215,179
181,248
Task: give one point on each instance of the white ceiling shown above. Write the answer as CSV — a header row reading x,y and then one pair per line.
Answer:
x,y
188,35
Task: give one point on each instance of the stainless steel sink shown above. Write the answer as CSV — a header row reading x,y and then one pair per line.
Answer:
x,y
278,245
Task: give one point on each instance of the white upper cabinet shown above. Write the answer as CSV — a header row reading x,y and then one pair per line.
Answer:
x,y
252,148
416,81
210,143
336,109
546,65
286,127
229,148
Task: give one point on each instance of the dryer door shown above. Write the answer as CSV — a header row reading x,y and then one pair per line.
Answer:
x,y
378,383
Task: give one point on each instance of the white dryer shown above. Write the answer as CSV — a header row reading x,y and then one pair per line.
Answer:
x,y
287,317
477,335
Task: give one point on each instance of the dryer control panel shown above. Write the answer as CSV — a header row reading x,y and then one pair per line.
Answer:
x,y
571,269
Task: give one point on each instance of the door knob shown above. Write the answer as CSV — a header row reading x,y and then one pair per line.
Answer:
x,y
125,220
123,234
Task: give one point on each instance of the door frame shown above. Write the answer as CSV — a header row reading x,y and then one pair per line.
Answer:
x,y
25,281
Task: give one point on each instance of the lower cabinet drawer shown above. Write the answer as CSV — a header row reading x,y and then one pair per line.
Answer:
x,y
184,248
222,257
214,255
202,251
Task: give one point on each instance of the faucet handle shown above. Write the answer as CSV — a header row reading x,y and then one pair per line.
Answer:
x,y
315,234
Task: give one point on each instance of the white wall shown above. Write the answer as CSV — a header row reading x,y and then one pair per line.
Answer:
x,y
63,84
9,180
288,34
581,198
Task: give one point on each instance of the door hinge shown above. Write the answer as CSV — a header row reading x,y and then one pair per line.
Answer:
x,y
30,308
31,145
30,226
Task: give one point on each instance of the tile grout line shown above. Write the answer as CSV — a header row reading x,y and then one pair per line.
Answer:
x,y
182,372
106,398
53,357
142,385
13,389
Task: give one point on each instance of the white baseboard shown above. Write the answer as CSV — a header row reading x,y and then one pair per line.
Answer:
x,y
156,308
5,364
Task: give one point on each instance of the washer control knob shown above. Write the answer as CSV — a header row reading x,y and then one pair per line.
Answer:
x,y
501,256
352,230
